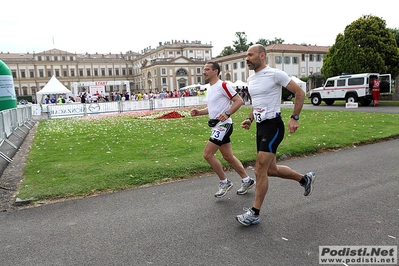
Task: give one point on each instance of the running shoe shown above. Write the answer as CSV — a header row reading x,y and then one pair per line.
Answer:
x,y
223,188
310,177
245,186
248,218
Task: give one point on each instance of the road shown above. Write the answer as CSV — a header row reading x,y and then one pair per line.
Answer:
x,y
355,202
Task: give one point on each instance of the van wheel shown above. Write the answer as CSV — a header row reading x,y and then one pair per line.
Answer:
x,y
315,99
329,102
351,98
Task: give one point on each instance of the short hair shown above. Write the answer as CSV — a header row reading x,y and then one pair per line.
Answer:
x,y
214,66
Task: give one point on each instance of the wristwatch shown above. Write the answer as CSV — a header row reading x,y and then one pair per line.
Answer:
x,y
296,117
227,113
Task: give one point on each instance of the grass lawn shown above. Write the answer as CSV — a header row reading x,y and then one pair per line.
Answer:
x,y
74,157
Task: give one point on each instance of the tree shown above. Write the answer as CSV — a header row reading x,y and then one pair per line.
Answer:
x,y
266,42
227,50
395,33
365,46
240,45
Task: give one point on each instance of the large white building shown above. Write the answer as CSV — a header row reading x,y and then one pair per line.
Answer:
x,y
170,66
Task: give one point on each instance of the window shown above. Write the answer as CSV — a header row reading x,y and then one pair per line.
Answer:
x,y
311,57
164,81
47,58
57,73
278,60
235,65
130,71
55,58
63,58
96,72
65,73
72,72
71,58
124,71
14,74
340,82
49,73
39,58
163,71
198,70
88,72
303,57
117,72
355,81
318,58
170,53
31,73
102,71
181,72
287,60
81,72
295,60
23,74
242,64
110,72
330,83
226,67
41,74
198,79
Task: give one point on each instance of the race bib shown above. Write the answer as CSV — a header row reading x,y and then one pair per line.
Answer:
x,y
218,132
260,114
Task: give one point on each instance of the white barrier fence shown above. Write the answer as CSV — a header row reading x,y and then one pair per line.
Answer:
x,y
88,109
15,121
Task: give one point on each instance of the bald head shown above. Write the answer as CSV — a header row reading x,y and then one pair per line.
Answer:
x,y
256,57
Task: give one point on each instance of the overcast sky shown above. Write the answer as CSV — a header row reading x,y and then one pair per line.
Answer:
x,y
120,25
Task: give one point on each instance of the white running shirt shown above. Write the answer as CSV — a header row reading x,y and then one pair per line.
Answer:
x,y
218,100
265,88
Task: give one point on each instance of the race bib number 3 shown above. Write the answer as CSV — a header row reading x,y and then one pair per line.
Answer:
x,y
218,132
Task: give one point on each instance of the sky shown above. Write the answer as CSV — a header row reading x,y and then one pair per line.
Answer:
x,y
118,26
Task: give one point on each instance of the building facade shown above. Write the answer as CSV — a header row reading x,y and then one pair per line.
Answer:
x,y
170,66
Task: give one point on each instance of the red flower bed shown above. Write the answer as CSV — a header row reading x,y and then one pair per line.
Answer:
x,y
170,115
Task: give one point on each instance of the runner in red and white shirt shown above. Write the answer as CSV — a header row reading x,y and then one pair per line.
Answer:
x,y
219,98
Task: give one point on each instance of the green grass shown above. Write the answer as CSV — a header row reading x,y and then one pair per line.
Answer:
x,y
74,157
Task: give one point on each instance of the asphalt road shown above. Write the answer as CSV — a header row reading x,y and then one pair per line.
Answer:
x,y
355,202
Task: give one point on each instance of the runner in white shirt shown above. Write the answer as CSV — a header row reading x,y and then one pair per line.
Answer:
x,y
265,88
219,98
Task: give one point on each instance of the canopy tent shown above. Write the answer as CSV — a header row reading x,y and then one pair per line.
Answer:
x,y
54,86
301,83
190,87
239,83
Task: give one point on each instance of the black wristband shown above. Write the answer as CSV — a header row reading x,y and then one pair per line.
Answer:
x,y
250,119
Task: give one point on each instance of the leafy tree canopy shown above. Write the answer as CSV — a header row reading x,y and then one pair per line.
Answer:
x,y
242,45
365,46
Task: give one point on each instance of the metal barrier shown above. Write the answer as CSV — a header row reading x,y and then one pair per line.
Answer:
x,y
14,122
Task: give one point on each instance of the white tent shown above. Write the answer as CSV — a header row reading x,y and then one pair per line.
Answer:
x,y
240,83
54,86
301,83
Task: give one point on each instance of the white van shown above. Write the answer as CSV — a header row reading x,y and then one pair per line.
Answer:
x,y
351,88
